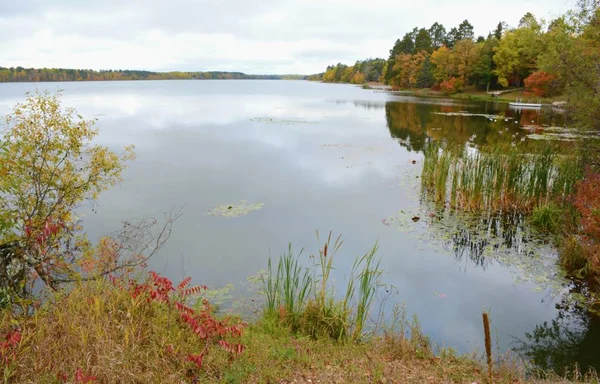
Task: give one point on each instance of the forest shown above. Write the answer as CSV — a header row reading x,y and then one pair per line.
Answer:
x,y
20,74
549,59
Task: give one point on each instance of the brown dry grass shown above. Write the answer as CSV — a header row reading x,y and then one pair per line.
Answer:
x,y
107,334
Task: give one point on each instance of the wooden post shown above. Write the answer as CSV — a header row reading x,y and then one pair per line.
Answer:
x,y
488,344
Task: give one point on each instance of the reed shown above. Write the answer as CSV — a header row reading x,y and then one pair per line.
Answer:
x,y
368,282
502,179
302,297
287,289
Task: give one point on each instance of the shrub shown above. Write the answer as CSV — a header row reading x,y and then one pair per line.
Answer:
x,y
49,166
587,201
542,84
118,330
451,86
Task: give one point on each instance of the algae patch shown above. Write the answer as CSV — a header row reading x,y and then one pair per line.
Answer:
x,y
234,210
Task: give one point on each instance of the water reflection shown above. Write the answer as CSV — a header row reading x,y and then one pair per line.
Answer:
x,y
413,123
568,342
479,240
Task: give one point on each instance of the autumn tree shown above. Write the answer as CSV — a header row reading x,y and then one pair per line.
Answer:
x,y
542,84
517,53
572,55
466,56
444,65
49,167
402,71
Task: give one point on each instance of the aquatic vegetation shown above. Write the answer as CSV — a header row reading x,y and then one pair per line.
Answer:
x,y
274,120
547,217
500,179
301,297
234,210
468,114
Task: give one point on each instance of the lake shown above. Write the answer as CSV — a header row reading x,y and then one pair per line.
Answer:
x,y
320,157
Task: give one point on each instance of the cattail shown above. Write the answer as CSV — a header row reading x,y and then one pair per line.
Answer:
x,y
325,250
488,343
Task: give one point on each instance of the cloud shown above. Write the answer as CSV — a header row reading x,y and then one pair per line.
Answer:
x,y
286,36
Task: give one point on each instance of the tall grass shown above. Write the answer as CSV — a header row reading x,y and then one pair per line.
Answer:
x,y
304,299
290,285
498,179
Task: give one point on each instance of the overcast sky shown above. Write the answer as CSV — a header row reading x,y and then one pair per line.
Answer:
x,y
265,36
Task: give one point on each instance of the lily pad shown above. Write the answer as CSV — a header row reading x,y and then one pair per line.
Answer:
x,y
234,210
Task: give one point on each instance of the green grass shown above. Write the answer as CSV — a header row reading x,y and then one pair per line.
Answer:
x,y
300,295
548,217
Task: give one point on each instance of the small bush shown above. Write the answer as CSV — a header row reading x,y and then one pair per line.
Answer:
x,y
451,86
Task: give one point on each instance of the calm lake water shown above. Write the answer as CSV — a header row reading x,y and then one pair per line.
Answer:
x,y
320,157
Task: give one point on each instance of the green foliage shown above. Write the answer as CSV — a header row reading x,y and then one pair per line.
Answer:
x,y
423,41
547,217
572,54
517,53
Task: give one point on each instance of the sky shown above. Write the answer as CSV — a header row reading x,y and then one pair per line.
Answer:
x,y
258,37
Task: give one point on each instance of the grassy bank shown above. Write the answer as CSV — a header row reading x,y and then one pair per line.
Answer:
x,y
146,329
102,332
468,94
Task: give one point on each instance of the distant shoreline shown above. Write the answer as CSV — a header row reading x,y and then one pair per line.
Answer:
x,y
39,75
137,80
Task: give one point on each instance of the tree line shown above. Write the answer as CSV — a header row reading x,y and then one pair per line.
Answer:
x,y
20,74
549,58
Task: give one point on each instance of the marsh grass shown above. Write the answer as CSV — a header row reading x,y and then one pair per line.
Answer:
x,y
548,217
500,179
299,292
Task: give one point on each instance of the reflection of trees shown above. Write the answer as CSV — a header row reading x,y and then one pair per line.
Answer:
x,y
369,105
572,338
413,123
408,122
476,239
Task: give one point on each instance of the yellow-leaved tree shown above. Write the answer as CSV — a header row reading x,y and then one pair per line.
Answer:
x,y
49,167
